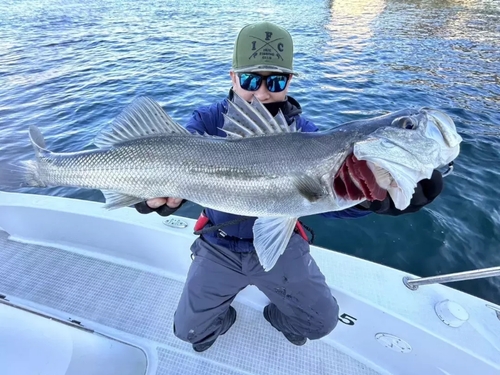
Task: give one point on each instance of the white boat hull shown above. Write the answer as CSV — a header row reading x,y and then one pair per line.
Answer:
x,y
120,274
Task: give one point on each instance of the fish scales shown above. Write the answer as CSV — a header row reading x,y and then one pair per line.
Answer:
x,y
257,171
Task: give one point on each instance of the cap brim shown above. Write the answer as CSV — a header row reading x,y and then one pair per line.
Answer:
x,y
264,68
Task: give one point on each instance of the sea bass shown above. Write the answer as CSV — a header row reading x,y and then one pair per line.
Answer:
x,y
263,168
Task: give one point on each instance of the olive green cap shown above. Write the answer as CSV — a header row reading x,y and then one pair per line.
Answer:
x,y
261,47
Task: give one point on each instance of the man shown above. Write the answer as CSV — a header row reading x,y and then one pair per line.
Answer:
x,y
302,306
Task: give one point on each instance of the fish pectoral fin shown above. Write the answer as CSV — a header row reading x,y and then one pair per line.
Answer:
x,y
117,200
143,117
309,187
271,237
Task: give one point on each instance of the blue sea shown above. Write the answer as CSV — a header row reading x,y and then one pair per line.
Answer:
x,y
70,67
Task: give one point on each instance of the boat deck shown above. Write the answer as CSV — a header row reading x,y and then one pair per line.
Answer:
x,y
138,307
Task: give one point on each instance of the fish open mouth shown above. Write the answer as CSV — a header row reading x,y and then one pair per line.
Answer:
x,y
355,181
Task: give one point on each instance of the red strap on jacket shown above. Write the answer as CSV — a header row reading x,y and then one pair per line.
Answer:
x,y
201,222
300,230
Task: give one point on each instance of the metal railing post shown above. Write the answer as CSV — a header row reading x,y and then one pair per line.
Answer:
x,y
413,284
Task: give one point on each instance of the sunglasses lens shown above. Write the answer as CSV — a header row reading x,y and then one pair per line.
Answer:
x,y
250,82
276,83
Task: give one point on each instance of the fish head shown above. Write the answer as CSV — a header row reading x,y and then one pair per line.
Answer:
x,y
397,151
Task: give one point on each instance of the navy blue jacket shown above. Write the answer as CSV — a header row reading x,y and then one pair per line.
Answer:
x,y
209,118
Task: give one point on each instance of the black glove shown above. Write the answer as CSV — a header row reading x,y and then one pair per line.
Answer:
x,y
425,192
163,210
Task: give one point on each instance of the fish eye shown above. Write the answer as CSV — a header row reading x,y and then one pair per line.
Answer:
x,y
405,123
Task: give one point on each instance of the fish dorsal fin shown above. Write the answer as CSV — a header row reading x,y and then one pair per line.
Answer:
x,y
245,119
142,118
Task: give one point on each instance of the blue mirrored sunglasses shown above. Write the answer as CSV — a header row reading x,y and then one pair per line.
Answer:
x,y
252,81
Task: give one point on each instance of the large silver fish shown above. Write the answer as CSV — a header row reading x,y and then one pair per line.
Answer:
x,y
263,168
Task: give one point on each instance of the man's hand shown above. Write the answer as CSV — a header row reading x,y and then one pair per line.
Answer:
x,y
426,191
162,206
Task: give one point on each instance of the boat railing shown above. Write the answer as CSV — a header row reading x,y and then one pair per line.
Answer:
x,y
414,283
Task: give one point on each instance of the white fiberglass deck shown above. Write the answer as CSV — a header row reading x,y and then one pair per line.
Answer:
x,y
141,304
120,274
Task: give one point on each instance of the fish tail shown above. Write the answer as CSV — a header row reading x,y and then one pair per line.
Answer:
x,y
24,174
27,173
31,174
37,141
31,170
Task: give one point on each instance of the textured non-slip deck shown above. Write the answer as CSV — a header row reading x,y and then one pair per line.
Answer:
x,y
142,304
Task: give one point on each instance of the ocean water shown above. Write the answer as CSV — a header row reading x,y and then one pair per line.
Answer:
x,y
70,67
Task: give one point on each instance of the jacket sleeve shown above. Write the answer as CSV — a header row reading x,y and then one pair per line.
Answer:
x,y
349,213
195,123
305,125
207,120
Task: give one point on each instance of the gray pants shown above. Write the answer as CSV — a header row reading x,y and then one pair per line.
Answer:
x,y
295,285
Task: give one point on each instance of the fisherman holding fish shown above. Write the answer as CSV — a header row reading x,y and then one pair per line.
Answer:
x,y
225,260
256,166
